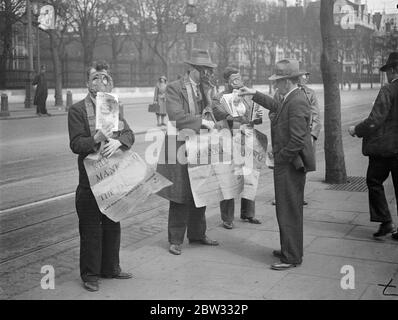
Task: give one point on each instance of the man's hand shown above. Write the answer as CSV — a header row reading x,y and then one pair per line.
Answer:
x,y
103,134
259,113
208,124
110,147
245,91
351,131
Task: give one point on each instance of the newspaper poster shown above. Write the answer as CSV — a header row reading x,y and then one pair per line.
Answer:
x,y
122,182
213,174
107,111
252,145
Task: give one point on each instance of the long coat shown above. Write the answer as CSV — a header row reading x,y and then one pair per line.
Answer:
x,y
380,129
181,117
290,129
41,89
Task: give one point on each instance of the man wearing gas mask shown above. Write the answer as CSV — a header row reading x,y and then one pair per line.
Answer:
x,y
188,106
233,81
99,236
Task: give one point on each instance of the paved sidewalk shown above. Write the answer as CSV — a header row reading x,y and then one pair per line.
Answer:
x,y
130,99
337,232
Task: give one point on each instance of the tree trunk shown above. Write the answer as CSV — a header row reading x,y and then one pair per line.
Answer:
x,y
5,61
57,68
334,153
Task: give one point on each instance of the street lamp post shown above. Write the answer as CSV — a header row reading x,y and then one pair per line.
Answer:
x,y
190,25
28,87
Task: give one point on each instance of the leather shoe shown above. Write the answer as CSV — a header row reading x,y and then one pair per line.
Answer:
x,y
175,249
121,275
227,225
251,220
277,253
91,286
206,241
395,235
305,203
283,266
384,229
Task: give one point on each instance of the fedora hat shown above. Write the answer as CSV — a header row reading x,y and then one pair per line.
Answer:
x,y
391,61
287,68
200,57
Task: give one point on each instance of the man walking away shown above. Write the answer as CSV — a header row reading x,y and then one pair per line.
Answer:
x,y
379,133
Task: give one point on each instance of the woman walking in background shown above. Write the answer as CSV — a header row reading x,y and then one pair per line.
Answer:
x,y
160,99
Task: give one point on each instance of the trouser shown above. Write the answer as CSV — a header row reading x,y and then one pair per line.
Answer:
x,y
289,195
184,216
99,238
378,171
41,108
227,208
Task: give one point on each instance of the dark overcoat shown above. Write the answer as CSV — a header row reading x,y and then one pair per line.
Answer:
x,y
181,117
41,92
290,129
380,129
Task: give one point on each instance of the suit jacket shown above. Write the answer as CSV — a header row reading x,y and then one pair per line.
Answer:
x,y
290,129
182,117
81,141
316,124
380,129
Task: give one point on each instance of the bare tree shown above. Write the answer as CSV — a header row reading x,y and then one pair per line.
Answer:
x,y
88,19
58,41
12,11
334,153
250,26
219,23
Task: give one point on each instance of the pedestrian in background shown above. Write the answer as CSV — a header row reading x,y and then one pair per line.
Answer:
x,y
233,80
186,102
160,99
293,157
379,133
99,235
41,93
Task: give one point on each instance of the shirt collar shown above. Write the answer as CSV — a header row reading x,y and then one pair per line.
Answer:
x,y
395,79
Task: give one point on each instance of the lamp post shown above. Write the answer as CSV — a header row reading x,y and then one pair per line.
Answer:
x,y
36,13
190,25
28,87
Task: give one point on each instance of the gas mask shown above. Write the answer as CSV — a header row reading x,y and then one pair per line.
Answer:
x,y
235,81
207,76
99,81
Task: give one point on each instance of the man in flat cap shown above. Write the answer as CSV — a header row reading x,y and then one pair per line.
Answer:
x,y
187,100
293,157
380,143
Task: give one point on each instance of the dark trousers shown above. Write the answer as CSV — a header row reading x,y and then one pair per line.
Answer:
x,y
99,238
289,195
41,108
227,208
378,171
184,216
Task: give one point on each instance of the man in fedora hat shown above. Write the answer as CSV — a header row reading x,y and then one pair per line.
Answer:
x,y
293,157
316,124
187,100
380,143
